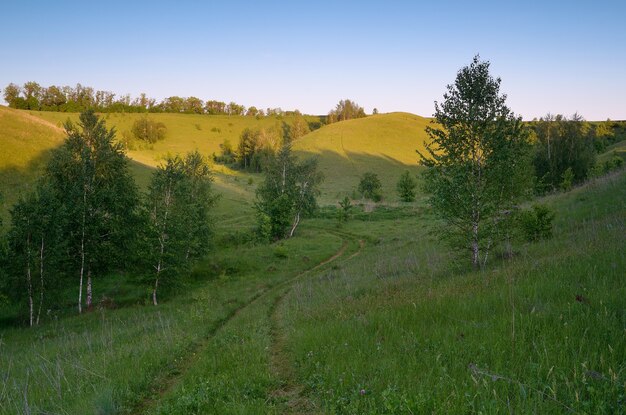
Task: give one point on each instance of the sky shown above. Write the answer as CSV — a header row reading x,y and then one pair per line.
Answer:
x,y
557,57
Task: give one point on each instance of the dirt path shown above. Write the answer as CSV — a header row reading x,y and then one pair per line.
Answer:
x,y
166,383
290,391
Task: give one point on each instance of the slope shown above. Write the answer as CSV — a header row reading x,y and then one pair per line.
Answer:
x,y
384,144
25,143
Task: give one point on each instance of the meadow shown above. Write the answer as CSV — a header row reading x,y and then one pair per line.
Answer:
x,y
370,315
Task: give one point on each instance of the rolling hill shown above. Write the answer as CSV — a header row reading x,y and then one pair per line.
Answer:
x,y
384,144
26,142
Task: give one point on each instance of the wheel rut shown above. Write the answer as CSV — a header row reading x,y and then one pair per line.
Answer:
x,y
165,383
289,391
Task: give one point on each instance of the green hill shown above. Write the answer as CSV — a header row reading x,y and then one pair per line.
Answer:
x,y
384,144
26,142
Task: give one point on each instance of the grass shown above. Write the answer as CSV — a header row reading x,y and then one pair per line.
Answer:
x,y
26,142
398,331
117,358
384,144
392,325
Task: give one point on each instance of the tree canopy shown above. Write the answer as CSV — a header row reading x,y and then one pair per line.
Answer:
x,y
477,160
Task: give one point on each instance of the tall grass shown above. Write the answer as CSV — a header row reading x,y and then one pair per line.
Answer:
x,y
398,332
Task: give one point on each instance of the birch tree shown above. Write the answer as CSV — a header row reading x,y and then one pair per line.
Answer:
x,y
91,178
288,192
477,161
178,207
36,249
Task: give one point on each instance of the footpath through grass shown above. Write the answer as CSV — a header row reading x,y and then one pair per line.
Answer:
x,y
112,361
399,331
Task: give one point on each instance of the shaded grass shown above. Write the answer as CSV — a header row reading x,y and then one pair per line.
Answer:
x,y
397,333
384,144
113,357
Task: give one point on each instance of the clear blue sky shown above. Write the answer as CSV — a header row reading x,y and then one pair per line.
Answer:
x,y
552,56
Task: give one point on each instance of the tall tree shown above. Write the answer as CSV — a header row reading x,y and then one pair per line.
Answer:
x,y
563,144
477,160
165,233
36,247
178,206
11,93
198,200
288,192
90,176
346,110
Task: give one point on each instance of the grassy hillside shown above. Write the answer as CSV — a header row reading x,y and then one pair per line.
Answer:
x,y
384,144
368,316
25,143
387,325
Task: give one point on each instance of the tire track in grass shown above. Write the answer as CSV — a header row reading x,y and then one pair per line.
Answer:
x,y
290,391
166,382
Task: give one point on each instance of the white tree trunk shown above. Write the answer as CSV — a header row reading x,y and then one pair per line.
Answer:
x,y
29,282
296,221
41,280
154,291
475,247
82,252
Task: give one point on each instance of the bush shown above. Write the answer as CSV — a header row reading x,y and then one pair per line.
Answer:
x,y
148,130
536,223
567,179
370,187
406,187
281,252
345,209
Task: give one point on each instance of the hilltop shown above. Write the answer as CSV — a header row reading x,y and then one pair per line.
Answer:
x,y
383,143
26,142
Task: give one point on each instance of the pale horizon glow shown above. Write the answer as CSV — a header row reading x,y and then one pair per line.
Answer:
x,y
557,57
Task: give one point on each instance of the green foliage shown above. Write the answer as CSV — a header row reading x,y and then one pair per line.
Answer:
x,y
281,252
345,110
298,127
370,187
345,209
148,130
178,210
536,223
90,177
264,227
406,187
37,251
567,179
477,161
288,192
563,144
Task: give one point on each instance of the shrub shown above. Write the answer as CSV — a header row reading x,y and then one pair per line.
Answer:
x,y
346,209
148,130
370,187
567,179
536,223
281,252
406,187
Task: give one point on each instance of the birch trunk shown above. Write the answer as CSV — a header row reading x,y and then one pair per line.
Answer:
x,y
41,281
296,221
475,247
82,252
154,291
159,266
29,282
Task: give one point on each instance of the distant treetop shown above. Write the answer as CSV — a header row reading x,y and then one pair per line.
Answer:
x,y
345,110
32,96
